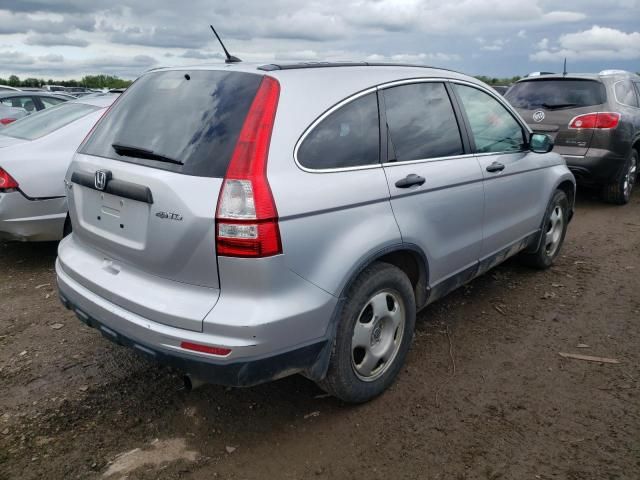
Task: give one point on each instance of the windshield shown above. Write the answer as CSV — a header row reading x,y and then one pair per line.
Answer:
x,y
186,121
556,94
43,123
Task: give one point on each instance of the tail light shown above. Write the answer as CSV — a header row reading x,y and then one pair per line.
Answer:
x,y
7,121
600,120
246,217
7,183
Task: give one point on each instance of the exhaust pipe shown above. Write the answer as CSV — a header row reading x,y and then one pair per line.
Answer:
x,y
191,383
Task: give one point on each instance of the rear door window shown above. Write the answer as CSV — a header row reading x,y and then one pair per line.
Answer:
x,y
421,122
625,93
555,94
192,117
494,129
347,137
25,102
47,121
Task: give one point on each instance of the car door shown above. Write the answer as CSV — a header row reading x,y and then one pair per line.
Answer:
x,y
435,183
514,182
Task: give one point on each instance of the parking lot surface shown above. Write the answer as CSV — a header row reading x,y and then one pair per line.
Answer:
x,y
485,393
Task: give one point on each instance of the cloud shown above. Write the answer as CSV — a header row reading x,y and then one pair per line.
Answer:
x,y
12,23
201,55
597,43
563,17
543,44
418,58
52,57
16,58
447,33
52,39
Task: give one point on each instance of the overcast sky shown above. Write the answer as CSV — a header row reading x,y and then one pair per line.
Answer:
x,y
70,38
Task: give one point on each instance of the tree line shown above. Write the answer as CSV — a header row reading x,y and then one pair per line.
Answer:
x,y
88,81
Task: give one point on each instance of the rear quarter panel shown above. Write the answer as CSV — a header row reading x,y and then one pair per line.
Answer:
x,y
329,222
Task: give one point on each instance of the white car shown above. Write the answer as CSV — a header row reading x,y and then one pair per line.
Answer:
x,y
9,115
35,153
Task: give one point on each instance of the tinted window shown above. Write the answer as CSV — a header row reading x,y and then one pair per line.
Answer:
x,y
193,117
626,94
51,101
348,137
421,122
556,94
494,129
20,102
46,121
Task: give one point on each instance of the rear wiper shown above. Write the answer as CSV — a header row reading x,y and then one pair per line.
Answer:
x,y
137,152
555,106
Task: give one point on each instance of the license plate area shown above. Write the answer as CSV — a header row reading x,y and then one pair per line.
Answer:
x,y
117,219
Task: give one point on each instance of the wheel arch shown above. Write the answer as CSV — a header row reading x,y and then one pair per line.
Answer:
x,y
409,258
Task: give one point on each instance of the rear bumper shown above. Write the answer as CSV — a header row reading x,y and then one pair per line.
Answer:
x,y
242,373
27,220
270,337
598,166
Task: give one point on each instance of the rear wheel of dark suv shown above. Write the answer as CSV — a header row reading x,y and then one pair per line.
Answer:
x,y
619,191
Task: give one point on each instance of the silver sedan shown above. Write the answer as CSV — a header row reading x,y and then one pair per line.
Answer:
x,y
34,155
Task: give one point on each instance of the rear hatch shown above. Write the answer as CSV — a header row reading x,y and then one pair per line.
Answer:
x,y
145,186
549,104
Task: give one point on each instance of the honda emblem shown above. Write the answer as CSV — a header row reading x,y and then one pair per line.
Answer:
x,y
101,179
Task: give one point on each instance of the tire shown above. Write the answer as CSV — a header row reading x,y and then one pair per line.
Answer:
x,y
374,333
554,229
619,191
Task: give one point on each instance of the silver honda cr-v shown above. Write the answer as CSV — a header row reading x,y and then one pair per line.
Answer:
x,y
248,222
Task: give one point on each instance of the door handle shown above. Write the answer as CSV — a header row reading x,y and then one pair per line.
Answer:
x,y
410,180
495,167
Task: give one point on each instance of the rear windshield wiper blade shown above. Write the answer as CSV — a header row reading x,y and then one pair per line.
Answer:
x,y
137,152
554,106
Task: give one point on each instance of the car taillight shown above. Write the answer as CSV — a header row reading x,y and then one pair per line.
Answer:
x,y
7,182
246,217
600,120
7,121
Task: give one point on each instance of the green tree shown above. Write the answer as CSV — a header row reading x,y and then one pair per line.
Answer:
x,y
14,81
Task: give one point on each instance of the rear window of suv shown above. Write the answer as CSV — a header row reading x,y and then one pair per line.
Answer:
x,y
556,94
187,121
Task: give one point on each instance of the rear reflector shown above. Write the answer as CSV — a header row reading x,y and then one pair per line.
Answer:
x,y
196,347
7,182
246,217
7,121
600,120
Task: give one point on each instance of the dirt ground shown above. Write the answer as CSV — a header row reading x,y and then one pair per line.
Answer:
x,y
484,395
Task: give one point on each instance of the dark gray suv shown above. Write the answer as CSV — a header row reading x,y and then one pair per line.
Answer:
x,y
594,120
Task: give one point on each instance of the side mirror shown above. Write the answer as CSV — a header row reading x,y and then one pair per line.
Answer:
x,y
540,143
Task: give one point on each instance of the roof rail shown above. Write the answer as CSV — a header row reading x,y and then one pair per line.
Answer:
x,y
614,72
270,67
538,74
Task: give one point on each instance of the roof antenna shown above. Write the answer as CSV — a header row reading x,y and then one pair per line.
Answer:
x,y
564,69
230,58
